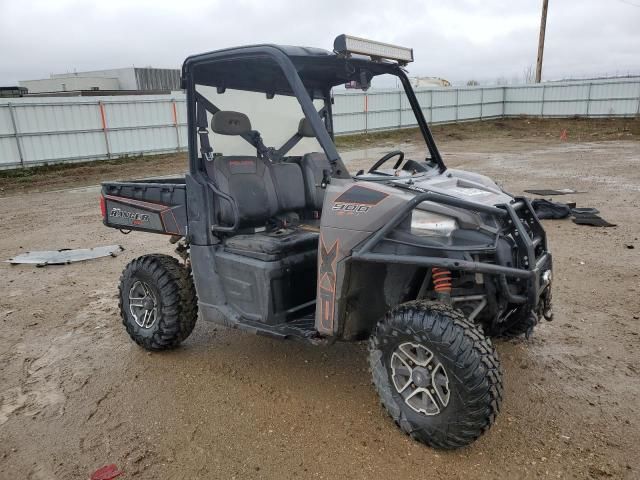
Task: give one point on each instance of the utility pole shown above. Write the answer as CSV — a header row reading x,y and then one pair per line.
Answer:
x,y
543,27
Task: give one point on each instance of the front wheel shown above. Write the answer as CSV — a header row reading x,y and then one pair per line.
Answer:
x,y
437,375
157,301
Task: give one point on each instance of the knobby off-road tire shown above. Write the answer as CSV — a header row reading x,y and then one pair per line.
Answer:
x,y
454,357
157,301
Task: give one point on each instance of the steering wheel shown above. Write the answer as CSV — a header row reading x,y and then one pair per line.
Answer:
x,y
379,163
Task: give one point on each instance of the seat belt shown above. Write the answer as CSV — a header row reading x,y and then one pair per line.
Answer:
x,y
262,150
295,138
203,133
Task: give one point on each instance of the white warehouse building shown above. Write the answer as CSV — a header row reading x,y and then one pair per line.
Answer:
x,y
129,78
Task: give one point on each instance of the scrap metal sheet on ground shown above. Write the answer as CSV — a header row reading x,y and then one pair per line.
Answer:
x,y
66,255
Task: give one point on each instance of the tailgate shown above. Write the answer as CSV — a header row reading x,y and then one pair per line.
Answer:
x,y
153,205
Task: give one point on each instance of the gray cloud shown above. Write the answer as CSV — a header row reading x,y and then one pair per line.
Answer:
x,y
458,40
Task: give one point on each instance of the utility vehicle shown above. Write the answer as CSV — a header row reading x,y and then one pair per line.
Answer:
x,y
277,237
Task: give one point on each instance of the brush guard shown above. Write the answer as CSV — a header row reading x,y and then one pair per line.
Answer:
x,y
516,220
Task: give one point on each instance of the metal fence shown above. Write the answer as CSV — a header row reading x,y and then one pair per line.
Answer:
x,y
42,130
389,109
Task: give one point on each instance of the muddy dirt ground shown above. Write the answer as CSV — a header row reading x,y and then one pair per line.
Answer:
x,y
76,393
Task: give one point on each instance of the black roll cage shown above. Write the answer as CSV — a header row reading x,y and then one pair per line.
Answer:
x,y
321,70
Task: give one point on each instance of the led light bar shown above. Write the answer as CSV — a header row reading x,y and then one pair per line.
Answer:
x,y
346,44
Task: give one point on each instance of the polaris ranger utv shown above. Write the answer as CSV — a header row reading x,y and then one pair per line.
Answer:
x,y
278,238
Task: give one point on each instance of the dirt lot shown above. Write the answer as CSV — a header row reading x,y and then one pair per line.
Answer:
x,y
76,393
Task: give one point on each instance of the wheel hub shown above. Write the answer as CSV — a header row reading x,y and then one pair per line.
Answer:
x,y
420,378
143,305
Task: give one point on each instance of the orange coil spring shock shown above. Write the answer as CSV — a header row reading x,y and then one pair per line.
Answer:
x,y
441,280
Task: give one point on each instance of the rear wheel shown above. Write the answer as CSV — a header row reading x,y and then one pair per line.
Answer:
x,y
157,301
436,373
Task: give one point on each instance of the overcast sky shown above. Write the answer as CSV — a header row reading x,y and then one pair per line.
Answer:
x,y
454,39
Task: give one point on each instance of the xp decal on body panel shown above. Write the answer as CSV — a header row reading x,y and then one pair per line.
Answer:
x,y
357,200
129,213
327,283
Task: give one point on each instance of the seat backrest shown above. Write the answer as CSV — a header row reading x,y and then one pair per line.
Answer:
x,y
261,189
313,166
249,182
289,186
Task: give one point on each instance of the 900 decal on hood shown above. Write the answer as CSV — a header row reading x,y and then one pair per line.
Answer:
x,y
357,200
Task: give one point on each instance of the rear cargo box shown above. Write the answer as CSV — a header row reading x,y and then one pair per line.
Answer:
x,y
155,205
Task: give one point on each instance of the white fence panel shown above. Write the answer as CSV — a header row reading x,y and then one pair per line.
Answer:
x,y
565,100
468,104
9,155
492,102
613,99
523,100
443,106
63,146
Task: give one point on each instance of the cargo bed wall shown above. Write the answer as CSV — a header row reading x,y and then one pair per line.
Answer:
x,y
157,206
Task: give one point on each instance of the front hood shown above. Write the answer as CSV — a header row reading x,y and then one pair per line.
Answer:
x,y
468,186
367,204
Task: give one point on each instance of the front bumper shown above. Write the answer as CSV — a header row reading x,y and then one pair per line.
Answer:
x,y
532,254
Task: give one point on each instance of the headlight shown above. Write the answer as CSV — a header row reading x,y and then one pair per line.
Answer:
x,y
427,224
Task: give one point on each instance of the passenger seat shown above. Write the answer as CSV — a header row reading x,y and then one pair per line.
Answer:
x,y
313,167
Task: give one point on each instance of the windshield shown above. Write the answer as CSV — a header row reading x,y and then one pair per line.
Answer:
x,y
276,119
368,125
384,113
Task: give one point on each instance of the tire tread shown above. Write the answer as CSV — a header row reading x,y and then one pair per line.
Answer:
x,y
473,354
179,310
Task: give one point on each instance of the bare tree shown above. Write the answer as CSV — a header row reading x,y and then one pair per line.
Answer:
x,y
472,83
529,74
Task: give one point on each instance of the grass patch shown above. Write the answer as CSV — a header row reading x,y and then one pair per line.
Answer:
x,y
363,139
578,129
47,169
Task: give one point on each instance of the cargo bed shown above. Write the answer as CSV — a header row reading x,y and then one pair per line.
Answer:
x,y
149,205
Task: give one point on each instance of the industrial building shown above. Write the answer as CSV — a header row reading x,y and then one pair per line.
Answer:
x,y
12,92
113,81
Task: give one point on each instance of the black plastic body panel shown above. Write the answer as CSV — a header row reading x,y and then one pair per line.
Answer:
x,y
268,292
244,288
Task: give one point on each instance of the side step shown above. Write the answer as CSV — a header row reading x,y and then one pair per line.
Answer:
x,y
299,329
